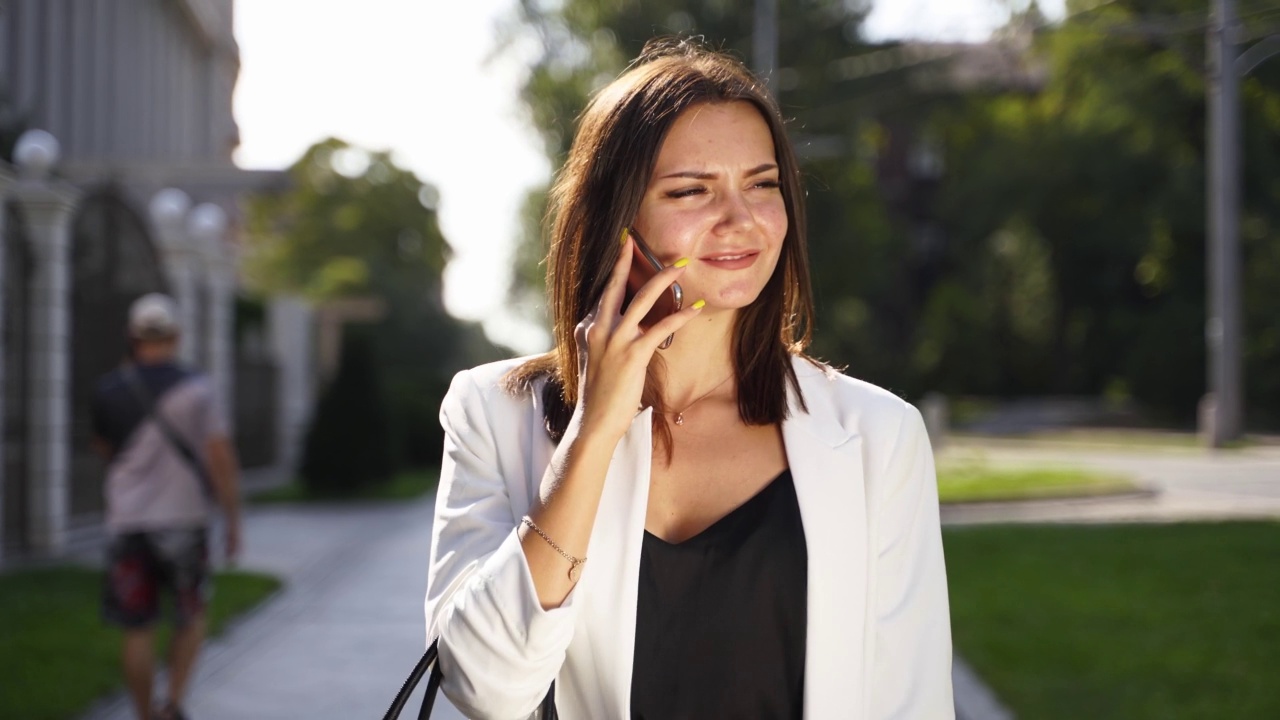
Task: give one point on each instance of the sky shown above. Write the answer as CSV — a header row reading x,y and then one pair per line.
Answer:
x,y
420,79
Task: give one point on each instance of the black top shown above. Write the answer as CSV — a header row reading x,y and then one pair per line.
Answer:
x,y
720,617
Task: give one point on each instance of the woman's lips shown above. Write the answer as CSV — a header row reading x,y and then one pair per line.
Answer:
x,y
732,261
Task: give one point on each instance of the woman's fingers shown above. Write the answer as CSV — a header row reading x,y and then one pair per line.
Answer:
x,y
668,325
615,290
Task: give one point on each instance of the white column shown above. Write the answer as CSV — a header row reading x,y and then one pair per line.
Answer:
x,y
168,210
207,226
290,324
48,208
6,180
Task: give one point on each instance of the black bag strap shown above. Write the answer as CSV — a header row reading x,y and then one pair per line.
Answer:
x,y
148,402
547,710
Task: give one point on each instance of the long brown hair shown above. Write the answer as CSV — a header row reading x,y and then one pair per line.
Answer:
x,y
598,192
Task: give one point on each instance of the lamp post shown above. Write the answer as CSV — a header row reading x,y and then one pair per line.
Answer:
x,y
764,41
6,179
207,227
48,207
168,210
1224,331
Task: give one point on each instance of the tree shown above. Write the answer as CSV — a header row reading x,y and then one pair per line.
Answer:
x,y
353,223
1058,245
348,444
1106,166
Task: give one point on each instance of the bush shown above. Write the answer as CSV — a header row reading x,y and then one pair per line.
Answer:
x,y
348,445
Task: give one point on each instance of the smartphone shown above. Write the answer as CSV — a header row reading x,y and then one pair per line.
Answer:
x,y
644,265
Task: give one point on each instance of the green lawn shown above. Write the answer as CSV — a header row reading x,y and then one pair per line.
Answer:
x,y
404,486
1168,622
56,656
971,483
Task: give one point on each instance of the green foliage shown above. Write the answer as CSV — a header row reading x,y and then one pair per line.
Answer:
x,y
584,44
57,656
1060,250
353,223
1107,165
348,446
1166,621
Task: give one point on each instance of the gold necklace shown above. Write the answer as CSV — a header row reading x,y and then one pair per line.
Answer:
x,y
680,414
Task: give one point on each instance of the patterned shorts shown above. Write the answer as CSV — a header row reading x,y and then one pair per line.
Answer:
x,y
140,565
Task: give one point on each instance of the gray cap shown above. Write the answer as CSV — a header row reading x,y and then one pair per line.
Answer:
x,y
153,317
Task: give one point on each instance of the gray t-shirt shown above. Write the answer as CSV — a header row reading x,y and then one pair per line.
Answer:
x,y
149,485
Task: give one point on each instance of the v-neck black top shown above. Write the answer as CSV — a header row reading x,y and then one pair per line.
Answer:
x,y
721,617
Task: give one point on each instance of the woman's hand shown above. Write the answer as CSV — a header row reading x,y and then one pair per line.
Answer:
x,y
614,351
613,356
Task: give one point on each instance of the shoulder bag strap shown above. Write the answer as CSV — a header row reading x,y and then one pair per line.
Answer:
x,y
175,440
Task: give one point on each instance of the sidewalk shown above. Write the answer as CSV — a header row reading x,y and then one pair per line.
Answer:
x,y
1176,484
339,639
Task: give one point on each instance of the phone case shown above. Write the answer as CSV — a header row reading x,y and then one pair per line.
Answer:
x,y
644,265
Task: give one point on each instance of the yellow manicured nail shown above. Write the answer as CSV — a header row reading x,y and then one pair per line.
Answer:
x,y
680,263
623,239
698,305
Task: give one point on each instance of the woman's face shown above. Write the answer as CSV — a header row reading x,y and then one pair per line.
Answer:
x,y
714,198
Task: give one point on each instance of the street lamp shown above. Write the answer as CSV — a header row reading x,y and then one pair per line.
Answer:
x,y
168,210
206,225
35,153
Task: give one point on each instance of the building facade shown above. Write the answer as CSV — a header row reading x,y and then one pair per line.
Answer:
x,y
116,122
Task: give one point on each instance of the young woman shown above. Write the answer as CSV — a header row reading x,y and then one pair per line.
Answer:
x,y
762,532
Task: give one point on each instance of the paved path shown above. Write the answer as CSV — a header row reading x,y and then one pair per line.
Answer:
x,y
1177,484
337,642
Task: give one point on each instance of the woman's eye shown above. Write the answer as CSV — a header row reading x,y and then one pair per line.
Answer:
x,y
769,184
685,192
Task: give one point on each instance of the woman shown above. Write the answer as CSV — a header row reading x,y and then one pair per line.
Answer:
x,y
763,532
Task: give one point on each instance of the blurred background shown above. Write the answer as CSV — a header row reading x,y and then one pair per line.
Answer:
x,y
1053,226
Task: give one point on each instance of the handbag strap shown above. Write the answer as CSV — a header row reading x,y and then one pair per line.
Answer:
x,y
148,402
429,660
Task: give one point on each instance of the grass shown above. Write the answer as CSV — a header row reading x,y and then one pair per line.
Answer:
x,y
57,656
978,482
1169,622
404,486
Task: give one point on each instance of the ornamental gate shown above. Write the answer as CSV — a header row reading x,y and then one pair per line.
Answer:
x,y
113,263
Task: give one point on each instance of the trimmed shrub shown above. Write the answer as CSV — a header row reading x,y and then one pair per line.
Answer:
x,y
348,444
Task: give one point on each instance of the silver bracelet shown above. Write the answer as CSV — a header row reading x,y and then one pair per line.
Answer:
x,y
575,571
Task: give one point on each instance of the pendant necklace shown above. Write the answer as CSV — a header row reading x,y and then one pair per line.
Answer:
x,y
680,414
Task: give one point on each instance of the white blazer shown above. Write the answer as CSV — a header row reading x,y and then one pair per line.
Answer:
x,y
878,643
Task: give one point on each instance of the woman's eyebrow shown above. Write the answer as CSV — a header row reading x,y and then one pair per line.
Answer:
x,y
704,175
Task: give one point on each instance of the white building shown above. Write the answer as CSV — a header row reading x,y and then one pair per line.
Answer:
x,y
129,189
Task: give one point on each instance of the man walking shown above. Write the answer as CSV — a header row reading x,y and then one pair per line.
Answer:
x,y
169,456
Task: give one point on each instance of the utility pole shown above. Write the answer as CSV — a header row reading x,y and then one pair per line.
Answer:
x,y
764,42
1223,330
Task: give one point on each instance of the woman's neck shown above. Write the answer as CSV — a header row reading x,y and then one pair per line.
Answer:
x,y
699,359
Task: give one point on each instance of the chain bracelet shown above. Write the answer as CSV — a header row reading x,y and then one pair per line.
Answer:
x,y
575,571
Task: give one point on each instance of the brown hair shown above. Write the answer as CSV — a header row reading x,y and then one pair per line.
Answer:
x,y
598,192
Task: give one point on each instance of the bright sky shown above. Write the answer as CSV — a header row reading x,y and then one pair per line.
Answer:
x,y
411,76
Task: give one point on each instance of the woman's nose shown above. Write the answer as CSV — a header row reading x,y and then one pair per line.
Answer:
x,y
736,211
